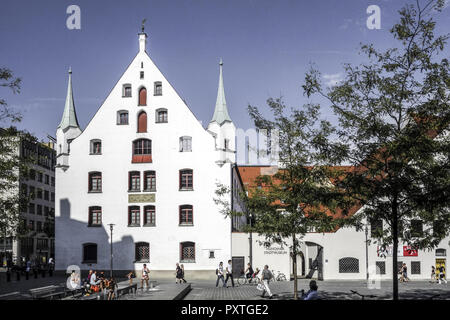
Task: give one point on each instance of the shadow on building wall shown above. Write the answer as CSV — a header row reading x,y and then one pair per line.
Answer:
x,y
71,235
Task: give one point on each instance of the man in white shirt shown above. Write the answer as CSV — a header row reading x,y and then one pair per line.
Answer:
x,y
229,274
94,281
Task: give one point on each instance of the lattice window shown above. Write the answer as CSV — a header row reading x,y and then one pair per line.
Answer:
x,y
381,267
187,252
415,267
142,252
348,265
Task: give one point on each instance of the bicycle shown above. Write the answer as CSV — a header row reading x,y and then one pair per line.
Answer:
x,y
363,296
279,277
242,280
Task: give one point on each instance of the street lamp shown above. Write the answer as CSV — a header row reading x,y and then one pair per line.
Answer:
x,y
367,253
111,227
251,241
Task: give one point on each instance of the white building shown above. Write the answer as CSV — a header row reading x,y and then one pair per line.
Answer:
x,y
145,164
334,255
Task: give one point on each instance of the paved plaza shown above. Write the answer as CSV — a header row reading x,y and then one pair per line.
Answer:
x,y
206,290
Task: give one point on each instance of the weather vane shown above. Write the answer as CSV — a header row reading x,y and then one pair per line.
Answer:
x,y
143,25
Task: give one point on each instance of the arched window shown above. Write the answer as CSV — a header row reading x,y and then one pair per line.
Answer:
x,y
95,216
185,144
96,146
89,253
187,252
186,179
142,252
161,115
122,117
186,215
142,122
143,96
142,151
149,216
348,265
95,182
134,216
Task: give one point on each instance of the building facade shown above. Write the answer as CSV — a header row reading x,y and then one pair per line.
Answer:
x,y
36,188
338,255
147,169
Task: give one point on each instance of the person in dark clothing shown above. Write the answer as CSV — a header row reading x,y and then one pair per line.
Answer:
x,y
178,274
249,272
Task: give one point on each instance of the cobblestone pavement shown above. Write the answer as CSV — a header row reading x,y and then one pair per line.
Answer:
x,y
202,290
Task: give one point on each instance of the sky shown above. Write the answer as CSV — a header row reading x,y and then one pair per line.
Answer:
x,y
266,46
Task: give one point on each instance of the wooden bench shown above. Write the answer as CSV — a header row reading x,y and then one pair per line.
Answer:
x,y
10,296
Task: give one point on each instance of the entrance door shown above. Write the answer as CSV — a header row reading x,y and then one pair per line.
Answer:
x,y
238,266
439,263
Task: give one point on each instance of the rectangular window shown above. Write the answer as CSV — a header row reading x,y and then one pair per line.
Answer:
x,y
211,254
95,182
185,144
416,228
134,181
31,208
149,181
47,179
126,90
186,215
142,252
32,174
122,117
46,211
39,209
161,116
187,252
96,147
52,198
380,267
32,192
95,216
134,216
31,225
186,179
46,195
158,88
53,181
39,226
149,216
415,267
89,253
141,75
39,193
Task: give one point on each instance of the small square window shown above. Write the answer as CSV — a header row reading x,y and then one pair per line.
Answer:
x,y
141,75
126,90
211,254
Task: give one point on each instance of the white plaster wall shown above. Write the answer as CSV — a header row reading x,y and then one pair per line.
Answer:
x,y
211,231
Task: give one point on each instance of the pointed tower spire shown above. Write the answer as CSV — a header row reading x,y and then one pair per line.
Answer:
x,y
69,118
221,112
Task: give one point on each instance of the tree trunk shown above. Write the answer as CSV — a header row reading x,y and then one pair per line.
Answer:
x,y
294,265
394,249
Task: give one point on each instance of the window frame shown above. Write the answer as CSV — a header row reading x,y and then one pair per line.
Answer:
x,y
187,244
183,175
95,176
132,210
157,115
141,157
152,175
119,119
142,103
145,259
152,210
132,176
183,140
157,88
84,246
349,260
98,211
186,210
125,86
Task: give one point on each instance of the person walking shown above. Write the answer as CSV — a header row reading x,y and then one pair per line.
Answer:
x,y
178,274
220,276
405,273
145,276
266,276
249,272
182,274
112,285
442,274
433,274
229,271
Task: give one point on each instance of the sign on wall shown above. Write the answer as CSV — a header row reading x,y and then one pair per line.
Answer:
x,y
386,251
275,250
136,198
408,251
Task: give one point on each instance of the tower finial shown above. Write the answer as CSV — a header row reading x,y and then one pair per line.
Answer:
x,y
221,111
143,25
69,118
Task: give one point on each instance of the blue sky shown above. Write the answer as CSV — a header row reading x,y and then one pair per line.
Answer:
x,y
266,47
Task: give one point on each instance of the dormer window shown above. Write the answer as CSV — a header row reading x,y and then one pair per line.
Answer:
x,y
96,146
158,88
126,90
161,115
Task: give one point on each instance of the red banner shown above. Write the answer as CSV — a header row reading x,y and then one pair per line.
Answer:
x,y
408,251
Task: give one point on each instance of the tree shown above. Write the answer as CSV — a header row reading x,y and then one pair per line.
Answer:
x,y
11,164
393,115
299,196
